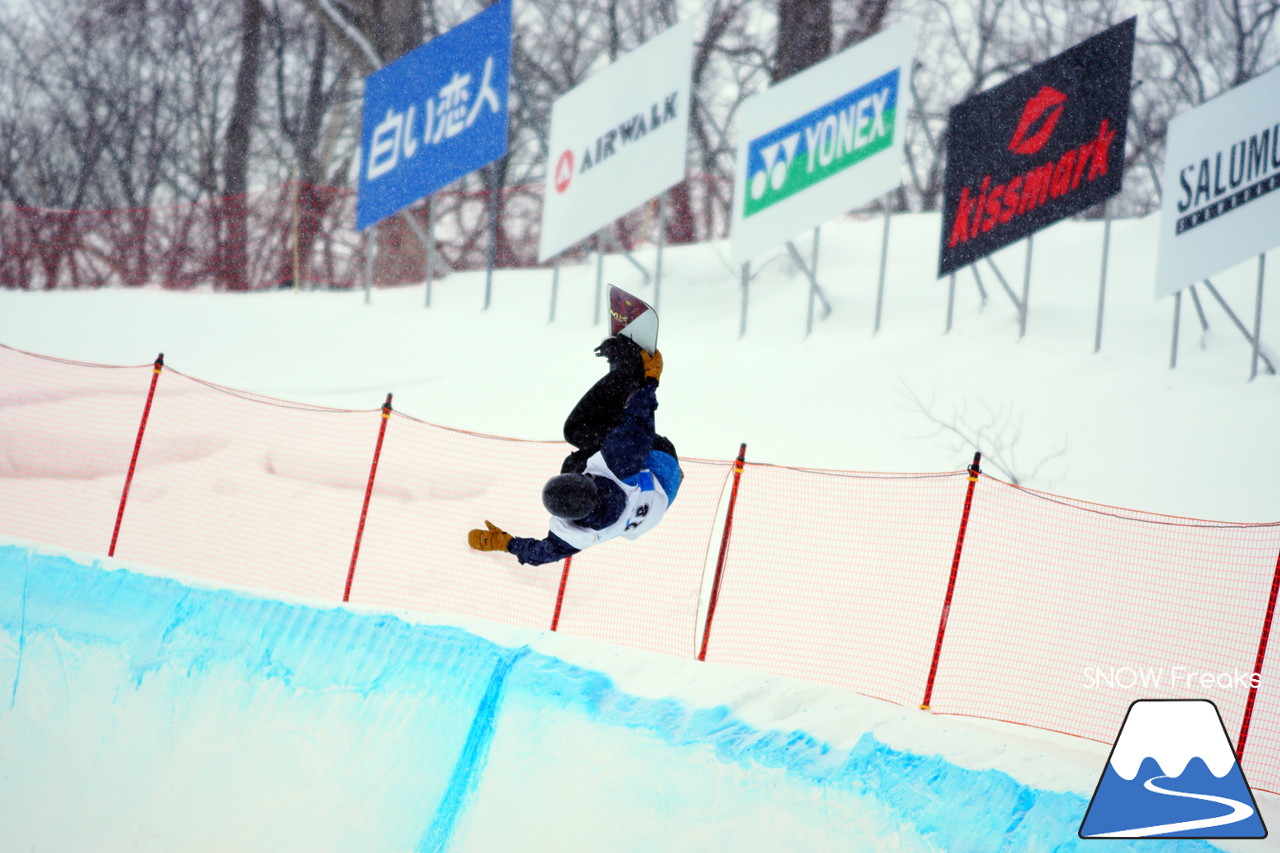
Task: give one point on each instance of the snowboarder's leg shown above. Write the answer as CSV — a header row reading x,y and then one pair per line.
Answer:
x,y
600,409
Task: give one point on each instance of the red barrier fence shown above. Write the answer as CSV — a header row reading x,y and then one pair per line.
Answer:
x,y
953,590
305,234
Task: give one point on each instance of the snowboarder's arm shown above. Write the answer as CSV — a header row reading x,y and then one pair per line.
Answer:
x,y
627,447
535,552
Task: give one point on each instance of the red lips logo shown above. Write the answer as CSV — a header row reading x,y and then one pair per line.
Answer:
x,y
1047,105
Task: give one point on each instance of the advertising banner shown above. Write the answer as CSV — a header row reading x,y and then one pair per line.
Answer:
x,y
1221,184
1036,149
821,143
434,115
618,139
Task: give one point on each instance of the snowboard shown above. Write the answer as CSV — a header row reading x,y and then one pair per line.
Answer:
x,y
632,317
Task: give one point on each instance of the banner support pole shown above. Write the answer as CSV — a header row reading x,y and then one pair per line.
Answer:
x,y
555,289
746,290
1177,320
814,288
662,242
491,251
370,246
1257,317
1026,289
1102,281
1266,362
599,276
951,302
884,262
430,244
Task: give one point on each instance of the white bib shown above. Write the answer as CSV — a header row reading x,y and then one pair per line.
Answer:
x,y
646,503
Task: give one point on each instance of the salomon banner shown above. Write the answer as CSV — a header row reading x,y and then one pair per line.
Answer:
x,y
821,143
434,115
618,139
1037,148
1221,200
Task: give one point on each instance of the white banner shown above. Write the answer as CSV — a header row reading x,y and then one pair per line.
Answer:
x,y
822,142
1221,187
618,139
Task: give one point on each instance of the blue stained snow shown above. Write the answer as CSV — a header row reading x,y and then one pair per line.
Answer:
x,y
342,730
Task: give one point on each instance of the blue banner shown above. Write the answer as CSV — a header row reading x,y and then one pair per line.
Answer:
x,y
434,115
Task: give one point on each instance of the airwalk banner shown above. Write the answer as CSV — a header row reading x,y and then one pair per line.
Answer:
x,y
821,143
1036,149
1221,202
618,139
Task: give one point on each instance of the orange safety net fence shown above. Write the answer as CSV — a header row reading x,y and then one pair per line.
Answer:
x,y
1029,607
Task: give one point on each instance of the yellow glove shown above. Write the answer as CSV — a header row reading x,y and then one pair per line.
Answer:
x,y
492,539
652,364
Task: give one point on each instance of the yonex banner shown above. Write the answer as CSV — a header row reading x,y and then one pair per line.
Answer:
x,y
618,139
434,115
821,143
1221,200
1036,149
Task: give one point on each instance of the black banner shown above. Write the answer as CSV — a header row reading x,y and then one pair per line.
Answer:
x,y
1037,148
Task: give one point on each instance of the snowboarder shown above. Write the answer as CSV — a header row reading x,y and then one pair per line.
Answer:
x,y
621,477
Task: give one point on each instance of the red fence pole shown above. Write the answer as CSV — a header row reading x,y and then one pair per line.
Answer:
x,y
724,550
368,494
564,581
137,446
1258,662
974,471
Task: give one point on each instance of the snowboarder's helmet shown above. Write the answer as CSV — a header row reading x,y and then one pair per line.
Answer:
x,y
570,496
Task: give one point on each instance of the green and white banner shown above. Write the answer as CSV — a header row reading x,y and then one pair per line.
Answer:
x,y
821,143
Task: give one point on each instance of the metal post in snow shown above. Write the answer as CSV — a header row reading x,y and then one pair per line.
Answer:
x,y
555,289
491,253
813,267
662,241
1257,317
746,285
1266,362
430,247
951,301
599,277
1177,320
884,260
1026,290
1102,281
370,246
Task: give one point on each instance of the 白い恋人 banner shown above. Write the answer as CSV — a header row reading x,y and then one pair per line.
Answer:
x,y
434,115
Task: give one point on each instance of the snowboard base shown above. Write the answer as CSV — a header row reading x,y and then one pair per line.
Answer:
x,y
632,317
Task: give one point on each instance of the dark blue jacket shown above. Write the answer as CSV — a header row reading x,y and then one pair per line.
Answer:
x,y
627,451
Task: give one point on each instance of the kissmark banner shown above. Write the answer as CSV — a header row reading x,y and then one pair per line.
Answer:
x,y
1036,149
